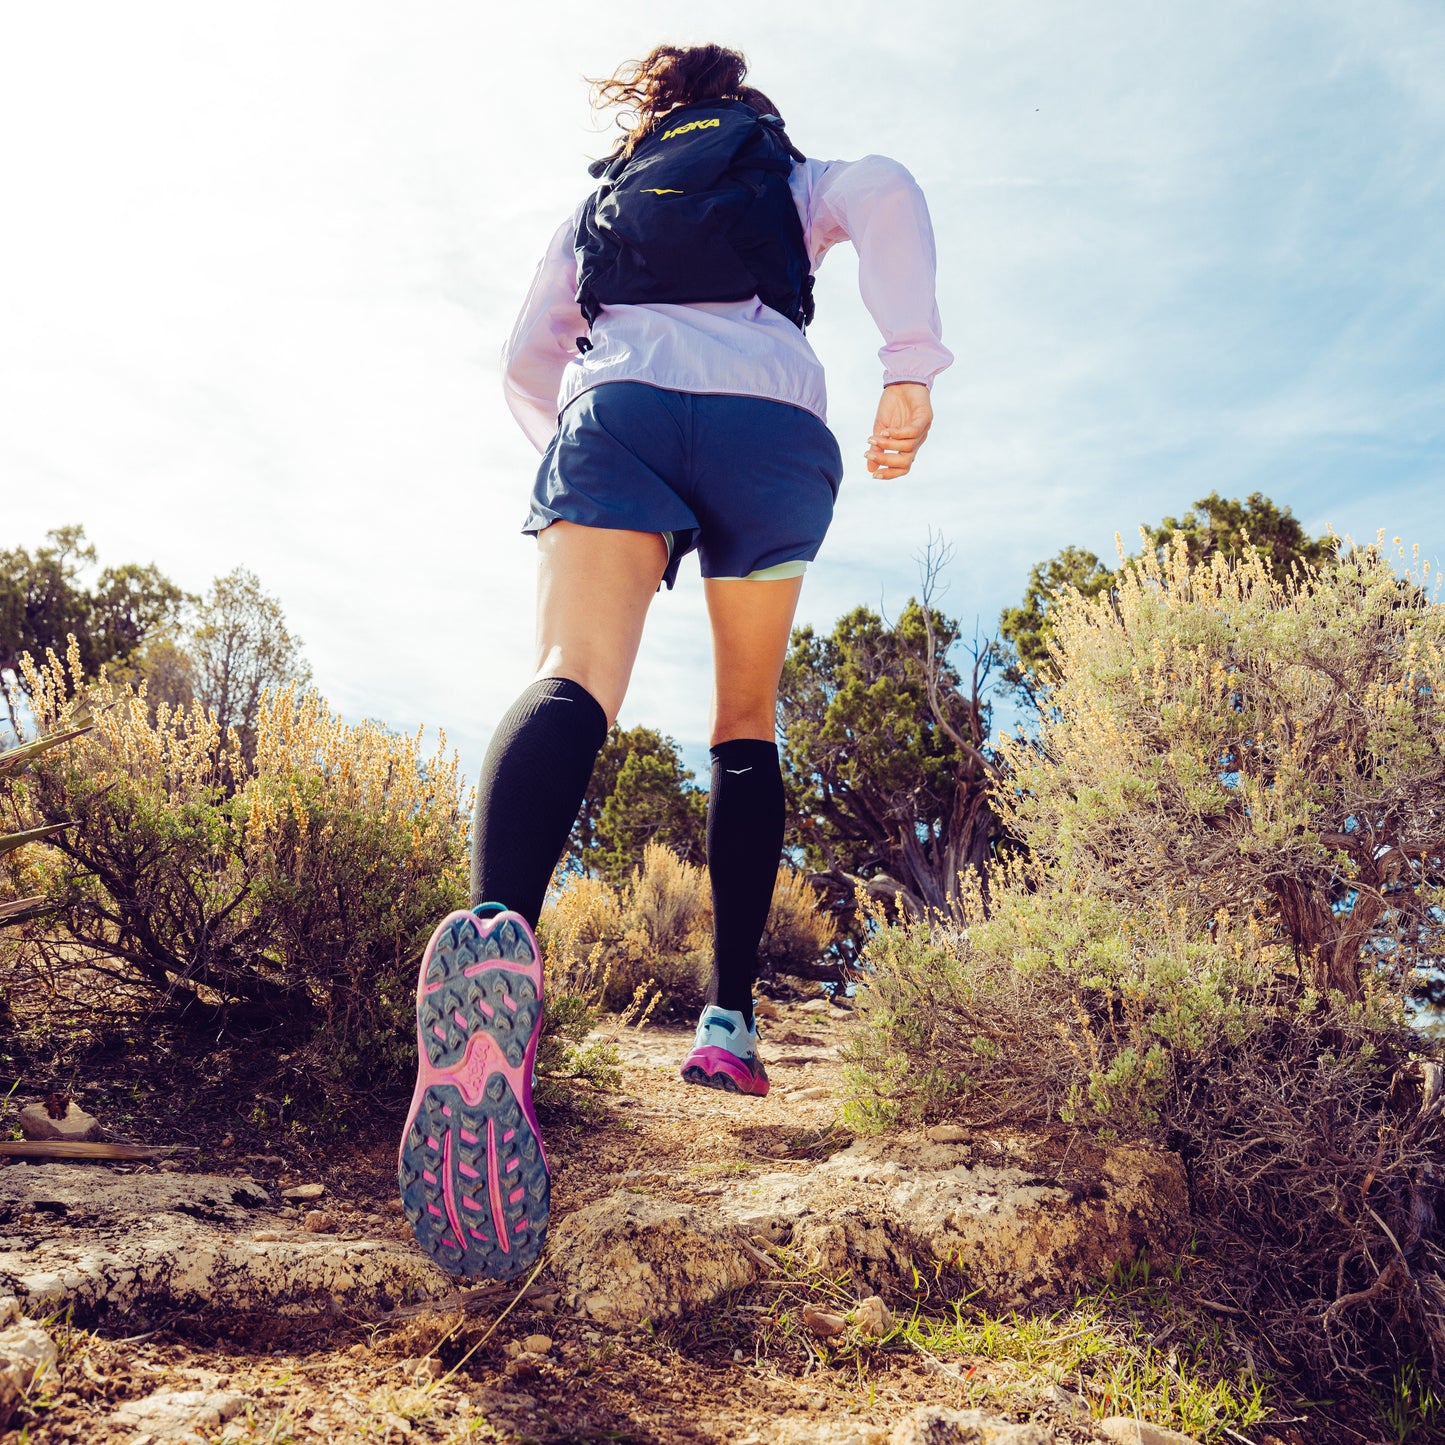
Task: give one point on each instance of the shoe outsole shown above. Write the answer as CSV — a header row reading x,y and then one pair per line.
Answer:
x,y
717,1068
472,1169
695,1075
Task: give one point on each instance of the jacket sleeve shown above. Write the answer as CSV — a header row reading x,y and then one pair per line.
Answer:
x,y
876,204
544,340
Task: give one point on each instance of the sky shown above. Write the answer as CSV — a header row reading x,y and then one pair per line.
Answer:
x,y
257,264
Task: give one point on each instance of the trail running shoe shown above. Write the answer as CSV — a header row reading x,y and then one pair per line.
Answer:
x,y
725,1054
472,1170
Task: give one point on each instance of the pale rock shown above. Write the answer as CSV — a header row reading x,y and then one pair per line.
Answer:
x,y
834,1431
814,1006
938,1425
874,1209
26,1351
319,1221
875,1206
627,1258
946,1134
977,1429
538,1344
812,1091
9,1310
77,1127
873,1317
142,1243
426,1367
1124,1431
834,1012
179,1415
823,1323
302,1192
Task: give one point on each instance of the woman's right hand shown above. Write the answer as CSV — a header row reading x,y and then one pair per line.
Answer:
x,y
905,414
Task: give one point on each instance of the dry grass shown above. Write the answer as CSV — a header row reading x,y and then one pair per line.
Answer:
x,y
650,938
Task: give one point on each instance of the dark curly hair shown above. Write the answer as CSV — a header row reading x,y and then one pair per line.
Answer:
x,y
673,75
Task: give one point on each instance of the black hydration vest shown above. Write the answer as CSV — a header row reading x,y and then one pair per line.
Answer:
x,y
700,211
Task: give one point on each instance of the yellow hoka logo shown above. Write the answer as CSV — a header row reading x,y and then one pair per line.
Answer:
x,y
691,125
658,191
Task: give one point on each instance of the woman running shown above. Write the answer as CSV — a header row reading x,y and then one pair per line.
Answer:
x,y
661,368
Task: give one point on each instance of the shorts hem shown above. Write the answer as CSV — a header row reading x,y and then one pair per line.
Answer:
x,y
679,541
778,572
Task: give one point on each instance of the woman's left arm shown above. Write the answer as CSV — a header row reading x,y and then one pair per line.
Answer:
x,y
876,203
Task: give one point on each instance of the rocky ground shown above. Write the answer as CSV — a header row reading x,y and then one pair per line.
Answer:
x,y
719,1270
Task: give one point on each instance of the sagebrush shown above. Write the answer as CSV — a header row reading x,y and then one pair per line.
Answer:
x,y
1231,816
283,895
653,932
1218,738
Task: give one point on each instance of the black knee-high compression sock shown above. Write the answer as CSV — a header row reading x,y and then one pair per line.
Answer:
x,y
533,780
744,847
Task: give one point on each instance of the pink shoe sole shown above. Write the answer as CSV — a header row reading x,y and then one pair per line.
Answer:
x,y
473,1173
717,1068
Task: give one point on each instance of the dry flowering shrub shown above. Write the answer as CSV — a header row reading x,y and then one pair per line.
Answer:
x,y
577,1045
290,892
1313,1133
652,935
647,935
1054,1005
1218,739
1233,816
798,931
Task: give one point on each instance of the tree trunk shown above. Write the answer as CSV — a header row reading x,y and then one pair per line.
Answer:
x,y
1327,951
10,709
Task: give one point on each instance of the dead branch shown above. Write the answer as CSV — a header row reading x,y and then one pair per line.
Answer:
x,y
74,1149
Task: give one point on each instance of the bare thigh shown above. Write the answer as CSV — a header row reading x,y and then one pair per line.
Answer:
x,y
751,625
594,585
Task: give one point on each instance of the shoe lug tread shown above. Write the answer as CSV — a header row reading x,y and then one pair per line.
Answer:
x,y
478,1258
458,994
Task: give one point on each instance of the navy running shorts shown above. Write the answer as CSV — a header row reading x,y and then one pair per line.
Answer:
x,y
749,483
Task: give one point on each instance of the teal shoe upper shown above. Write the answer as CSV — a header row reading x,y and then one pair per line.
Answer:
x,y
724,1028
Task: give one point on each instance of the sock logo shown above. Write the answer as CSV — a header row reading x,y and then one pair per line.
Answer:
x,y
736,771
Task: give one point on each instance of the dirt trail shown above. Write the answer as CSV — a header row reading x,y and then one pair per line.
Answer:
x,y
737,1372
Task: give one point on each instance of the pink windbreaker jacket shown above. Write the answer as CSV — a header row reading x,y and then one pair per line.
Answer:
x,y
738,348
